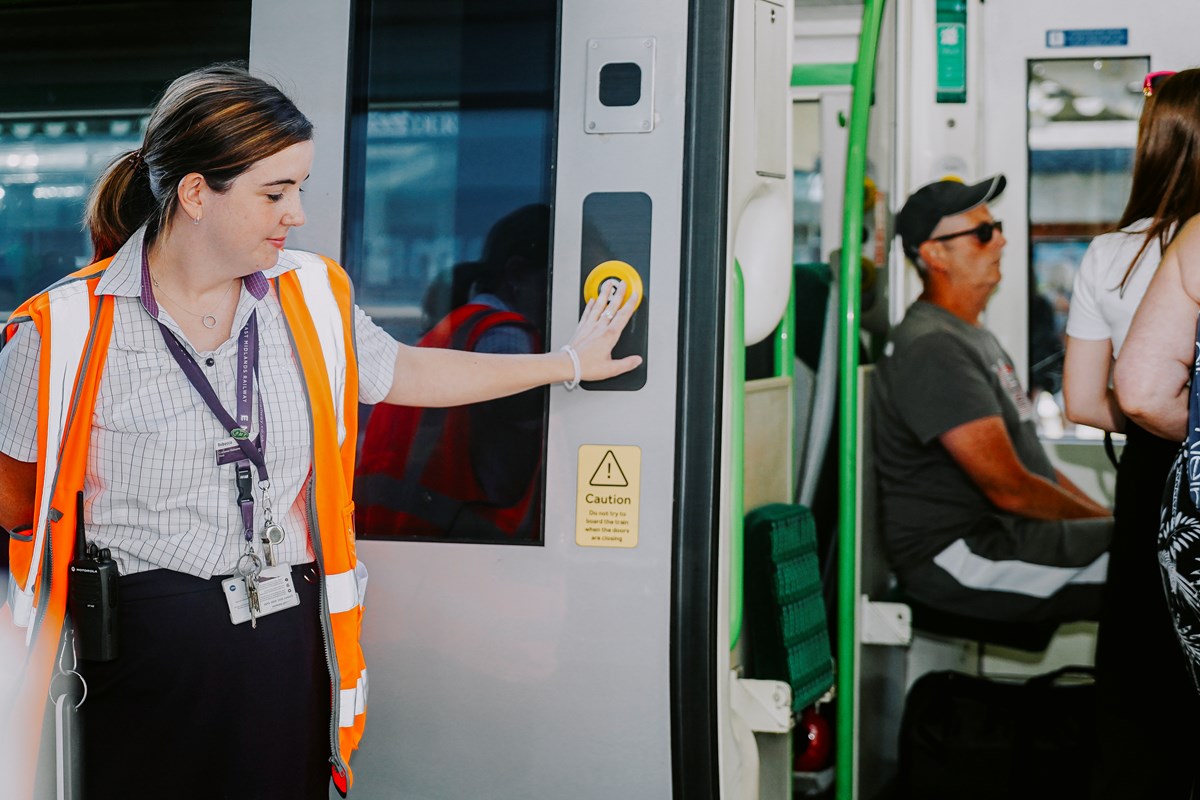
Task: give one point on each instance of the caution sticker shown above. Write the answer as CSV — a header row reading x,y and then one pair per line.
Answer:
x,y
609,497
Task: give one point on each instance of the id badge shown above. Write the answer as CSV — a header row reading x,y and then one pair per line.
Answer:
x,y
275,593
228,452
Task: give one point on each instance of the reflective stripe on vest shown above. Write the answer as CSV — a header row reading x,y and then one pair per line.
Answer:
x,y
70,318
352,702
327,319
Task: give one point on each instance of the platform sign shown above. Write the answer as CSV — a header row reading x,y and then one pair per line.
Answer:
x,y
1088,37
609,495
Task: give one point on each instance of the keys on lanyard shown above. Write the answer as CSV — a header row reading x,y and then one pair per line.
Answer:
x,y
250,566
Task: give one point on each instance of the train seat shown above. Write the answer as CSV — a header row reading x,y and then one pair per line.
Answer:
x,y
785,610
1032,637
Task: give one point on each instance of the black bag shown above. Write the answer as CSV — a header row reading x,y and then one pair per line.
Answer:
x,y
964,736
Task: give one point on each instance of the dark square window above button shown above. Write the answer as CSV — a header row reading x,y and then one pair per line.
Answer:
x,y
620,84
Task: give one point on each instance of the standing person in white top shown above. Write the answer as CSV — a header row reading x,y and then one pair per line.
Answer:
x,y
1141,674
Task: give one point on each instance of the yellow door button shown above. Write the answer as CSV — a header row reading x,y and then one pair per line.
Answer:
x,y
614,271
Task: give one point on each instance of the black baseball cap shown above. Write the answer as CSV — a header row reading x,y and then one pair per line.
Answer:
x,y
926,207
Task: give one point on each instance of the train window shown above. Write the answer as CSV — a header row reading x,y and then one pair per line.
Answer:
x,y
68,106
807,187
448,240
1082,131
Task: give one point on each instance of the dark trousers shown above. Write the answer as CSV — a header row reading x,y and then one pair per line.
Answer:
x,y
1012,569
1149,712
196,707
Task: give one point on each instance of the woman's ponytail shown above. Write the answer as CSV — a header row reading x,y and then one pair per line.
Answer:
x,y
120,203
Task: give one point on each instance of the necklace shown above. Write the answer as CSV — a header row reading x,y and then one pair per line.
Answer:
x,y
208,320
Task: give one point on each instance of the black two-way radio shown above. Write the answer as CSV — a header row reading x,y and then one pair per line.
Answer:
x,y
92,595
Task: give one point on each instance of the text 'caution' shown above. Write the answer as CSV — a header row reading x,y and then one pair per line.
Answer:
x,y
607,506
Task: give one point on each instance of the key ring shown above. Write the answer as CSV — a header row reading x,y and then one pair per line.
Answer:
x,y
255,565
64,674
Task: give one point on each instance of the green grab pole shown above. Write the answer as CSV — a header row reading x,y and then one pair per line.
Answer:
x,y
737,439
850,289
785,343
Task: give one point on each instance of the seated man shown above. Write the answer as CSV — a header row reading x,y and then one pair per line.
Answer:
x,y
976,521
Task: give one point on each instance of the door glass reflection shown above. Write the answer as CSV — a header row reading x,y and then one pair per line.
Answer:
x,y
448,242
1082,131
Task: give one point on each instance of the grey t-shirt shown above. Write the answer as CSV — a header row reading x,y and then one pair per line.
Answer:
x,y
940,372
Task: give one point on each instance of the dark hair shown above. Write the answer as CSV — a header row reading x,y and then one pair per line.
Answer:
x,y
218,121
1166,167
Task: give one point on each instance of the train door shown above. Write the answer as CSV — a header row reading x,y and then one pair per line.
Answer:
x,y
571,638
524,633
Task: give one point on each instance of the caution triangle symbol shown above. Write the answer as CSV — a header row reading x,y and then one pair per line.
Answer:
x,y
609,473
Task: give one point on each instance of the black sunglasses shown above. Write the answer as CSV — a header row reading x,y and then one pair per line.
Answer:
x,y
983,232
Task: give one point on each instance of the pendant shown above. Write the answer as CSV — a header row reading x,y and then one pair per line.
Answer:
x,y
209,321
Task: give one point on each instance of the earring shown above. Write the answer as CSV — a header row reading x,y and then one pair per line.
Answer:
x,y
196,221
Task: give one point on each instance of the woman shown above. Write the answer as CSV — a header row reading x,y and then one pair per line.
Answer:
x,y
197,385
1141,675
1143,672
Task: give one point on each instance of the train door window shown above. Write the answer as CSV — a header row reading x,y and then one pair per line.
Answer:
x,y
75,91
1081,134
448,241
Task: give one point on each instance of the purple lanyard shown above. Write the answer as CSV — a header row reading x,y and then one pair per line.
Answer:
x,y
239,429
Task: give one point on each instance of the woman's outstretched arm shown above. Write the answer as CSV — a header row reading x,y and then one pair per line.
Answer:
x,y
435,377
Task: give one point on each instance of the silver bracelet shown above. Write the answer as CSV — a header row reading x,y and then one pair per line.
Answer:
x,y
570,351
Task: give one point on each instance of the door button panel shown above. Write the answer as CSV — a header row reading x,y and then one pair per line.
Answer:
x,y
615,245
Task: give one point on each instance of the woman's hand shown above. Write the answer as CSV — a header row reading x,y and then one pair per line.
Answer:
x,y
599,328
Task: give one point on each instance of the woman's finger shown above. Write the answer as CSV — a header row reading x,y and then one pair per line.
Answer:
x,y
589,311
626,364
626,313
601,304
616,294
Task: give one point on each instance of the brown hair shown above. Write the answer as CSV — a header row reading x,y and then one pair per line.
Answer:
x,y
218,121
1166,167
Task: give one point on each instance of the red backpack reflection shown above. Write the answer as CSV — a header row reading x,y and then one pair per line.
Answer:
x,y
419,468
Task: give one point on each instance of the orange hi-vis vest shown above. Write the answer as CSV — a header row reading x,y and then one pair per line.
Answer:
x,y
75,326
